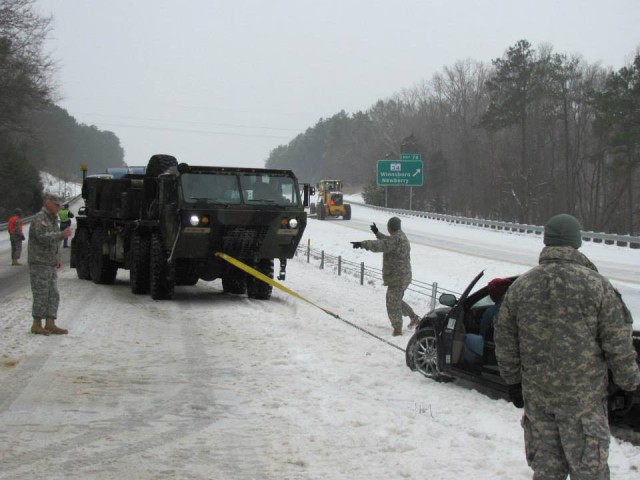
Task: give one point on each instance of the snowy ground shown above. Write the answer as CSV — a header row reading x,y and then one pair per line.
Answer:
x,y
215,386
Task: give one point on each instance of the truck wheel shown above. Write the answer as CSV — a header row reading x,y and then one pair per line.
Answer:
x,y
347,212
162,273
257,288
139,271
101,268
321,211
80,253
312,209
159,164
234,281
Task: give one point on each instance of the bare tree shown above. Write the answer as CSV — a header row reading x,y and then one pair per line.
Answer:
x,y
25,69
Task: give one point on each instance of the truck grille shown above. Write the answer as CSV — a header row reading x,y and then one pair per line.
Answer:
x,y
241,241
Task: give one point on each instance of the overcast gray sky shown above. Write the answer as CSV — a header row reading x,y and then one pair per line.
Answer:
x,y
223,82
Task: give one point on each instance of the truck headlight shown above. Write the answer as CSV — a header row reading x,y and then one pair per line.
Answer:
x,y
194,220
293,223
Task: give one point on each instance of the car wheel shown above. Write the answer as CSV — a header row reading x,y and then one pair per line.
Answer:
x,y
427,354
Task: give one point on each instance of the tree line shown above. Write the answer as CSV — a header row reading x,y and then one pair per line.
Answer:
x,y
530,135
35,134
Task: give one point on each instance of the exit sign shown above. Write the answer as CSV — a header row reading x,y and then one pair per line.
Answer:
x,y
400,173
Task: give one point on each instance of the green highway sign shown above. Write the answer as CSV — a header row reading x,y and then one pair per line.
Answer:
x,y
400,173
410,156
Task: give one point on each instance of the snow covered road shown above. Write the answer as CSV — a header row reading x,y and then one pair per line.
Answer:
x,y
215,386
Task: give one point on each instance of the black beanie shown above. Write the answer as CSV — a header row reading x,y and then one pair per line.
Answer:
x,y
393,224
563,230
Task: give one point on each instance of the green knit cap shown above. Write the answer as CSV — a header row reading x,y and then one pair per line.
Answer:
x,y
563,230
394,224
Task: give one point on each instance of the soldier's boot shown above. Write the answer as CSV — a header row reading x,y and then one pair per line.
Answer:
x,y
397,332
14,261
37,329
414,321
51,327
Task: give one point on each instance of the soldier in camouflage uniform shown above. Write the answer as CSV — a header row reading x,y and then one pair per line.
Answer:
x,y
396,270
559,327
44,258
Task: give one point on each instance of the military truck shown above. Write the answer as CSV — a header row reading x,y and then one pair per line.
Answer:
x,y
330,201
166,224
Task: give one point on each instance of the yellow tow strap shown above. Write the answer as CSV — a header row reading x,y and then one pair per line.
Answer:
x,y
261,276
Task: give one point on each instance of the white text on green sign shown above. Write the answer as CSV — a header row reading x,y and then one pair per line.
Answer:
x,y
399,173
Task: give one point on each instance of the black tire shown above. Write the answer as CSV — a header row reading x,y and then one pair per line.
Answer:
x,y
347,212
234,281
312,209
139,275
101,268
162,279
257,288
424,354
80,247
321,211
159,164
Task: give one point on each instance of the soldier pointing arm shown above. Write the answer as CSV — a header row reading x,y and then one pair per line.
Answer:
x,y
396,270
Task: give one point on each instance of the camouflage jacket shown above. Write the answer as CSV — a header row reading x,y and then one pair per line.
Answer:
x,y
559,327
44,239
396,257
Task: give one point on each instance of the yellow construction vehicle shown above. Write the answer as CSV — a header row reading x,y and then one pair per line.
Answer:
x,y
330,201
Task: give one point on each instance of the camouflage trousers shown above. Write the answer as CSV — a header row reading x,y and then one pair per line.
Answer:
x,y
559,442
44,288
16,246
397,307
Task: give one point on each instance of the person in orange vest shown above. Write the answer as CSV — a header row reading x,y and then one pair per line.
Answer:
x,y
16,236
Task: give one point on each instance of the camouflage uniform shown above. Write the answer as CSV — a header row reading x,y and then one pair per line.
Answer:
x,y
44,256
558,328
396,272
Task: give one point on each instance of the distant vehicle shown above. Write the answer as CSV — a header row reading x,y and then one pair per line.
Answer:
x,y
330,201
436,349
166,224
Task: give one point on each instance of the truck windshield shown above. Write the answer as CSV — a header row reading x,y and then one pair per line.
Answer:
x,y
210,188
266,189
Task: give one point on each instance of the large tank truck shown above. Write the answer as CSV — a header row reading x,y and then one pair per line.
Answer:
x,y
166,224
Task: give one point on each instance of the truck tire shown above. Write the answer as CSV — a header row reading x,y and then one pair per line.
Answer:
x,y
139,276
320,209
101,268
162,273
347,212
234,281
80,253
159,164
257,288
312,209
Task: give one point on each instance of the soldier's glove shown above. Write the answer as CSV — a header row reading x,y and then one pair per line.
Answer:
x,y
374,229
356,244
22,237
515,395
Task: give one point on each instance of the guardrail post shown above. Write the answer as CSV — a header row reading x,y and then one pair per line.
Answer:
x,y
339,264
322,260
361,273
308,250
434,293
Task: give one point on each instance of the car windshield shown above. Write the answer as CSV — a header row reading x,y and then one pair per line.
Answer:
x,y
269,189
210,188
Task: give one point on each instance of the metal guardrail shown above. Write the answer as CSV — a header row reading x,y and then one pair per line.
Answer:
x,y
5,225
596,237
370,275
